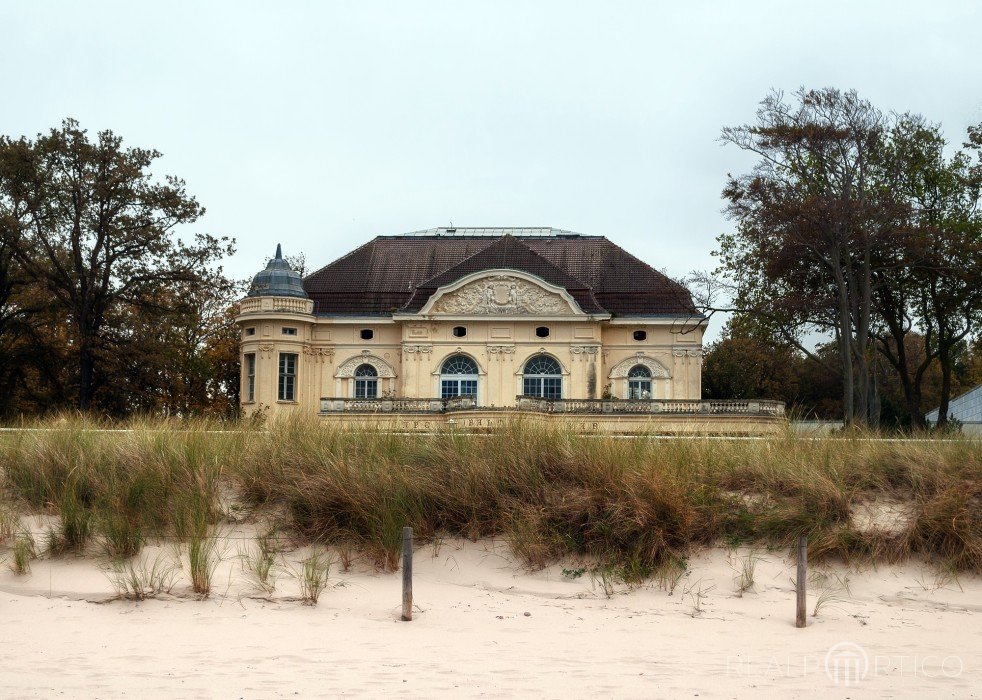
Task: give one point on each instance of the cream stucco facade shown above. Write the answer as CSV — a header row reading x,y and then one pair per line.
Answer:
x,y
294,360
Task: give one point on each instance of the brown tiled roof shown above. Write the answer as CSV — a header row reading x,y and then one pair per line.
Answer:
x,y
393,273
507,252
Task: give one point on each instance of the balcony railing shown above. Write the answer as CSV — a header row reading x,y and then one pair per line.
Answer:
x,y
337,405
292,305
572,406
669,406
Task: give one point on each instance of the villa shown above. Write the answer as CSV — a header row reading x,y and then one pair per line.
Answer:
x,y
478,322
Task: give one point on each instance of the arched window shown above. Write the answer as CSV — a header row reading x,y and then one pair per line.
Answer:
x,y
639,382
366,382
458,377
543,377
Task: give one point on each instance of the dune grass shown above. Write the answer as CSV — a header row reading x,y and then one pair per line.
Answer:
x,y
635,506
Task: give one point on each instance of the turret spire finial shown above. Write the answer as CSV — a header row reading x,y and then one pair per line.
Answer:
x,y
279,252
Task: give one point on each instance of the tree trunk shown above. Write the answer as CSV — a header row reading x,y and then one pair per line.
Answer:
x,y
944,355
86,375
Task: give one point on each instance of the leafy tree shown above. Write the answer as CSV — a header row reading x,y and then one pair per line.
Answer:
x,y
747,365
812,218
933,285
87,221
854,225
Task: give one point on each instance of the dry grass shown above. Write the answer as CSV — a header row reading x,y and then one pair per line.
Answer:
x,y
144,579
24,552
312,575
638,505
261,561
745,578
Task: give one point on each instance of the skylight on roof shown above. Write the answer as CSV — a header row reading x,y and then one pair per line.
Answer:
x,y
458,231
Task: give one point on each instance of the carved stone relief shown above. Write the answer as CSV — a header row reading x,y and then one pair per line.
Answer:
x,y
319,354
499,350
657,369
415,352
503,295
348,367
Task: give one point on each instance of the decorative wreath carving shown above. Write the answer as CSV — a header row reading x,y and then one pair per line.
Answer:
x,y
657,369
348,367
505,295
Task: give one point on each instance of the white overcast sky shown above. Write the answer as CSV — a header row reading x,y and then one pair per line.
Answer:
x,y
323,124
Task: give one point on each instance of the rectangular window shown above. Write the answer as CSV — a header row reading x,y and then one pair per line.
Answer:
x,y
288,377
530,386
543,387
250,377
289,331
552,387
250,331
366,388
450,388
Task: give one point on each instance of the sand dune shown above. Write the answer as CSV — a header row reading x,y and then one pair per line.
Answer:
x,y
484,627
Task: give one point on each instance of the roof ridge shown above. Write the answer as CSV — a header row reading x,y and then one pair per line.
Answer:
x,y
461,231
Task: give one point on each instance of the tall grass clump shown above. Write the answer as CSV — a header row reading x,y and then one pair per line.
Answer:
x,y
75,521
261,561
641,502
193,515
312,576
636,506
144,579
123,487
203,559
9,523
24,551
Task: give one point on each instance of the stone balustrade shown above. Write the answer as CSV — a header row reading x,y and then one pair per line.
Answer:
x,y
534,404
290,305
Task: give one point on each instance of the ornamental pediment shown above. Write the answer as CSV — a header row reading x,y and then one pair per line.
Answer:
x,y
504,293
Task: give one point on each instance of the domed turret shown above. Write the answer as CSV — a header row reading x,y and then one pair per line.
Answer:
x,y
277,280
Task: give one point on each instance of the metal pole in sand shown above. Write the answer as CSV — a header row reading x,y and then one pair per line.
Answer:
x,y
800,619
407,573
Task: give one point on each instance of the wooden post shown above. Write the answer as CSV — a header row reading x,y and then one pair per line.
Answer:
x,y
800,619
407,573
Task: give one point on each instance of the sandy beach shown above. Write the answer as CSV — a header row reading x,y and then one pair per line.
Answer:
x,y
484,627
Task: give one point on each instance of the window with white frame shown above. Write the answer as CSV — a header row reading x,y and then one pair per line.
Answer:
x,y
639,382
249,390
287,387
366,382
458,377
543,377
